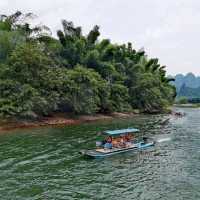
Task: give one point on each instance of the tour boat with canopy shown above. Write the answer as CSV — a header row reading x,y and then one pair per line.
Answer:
x,y
117,141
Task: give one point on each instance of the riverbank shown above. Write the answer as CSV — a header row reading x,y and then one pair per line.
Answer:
x,y
188,105
59,119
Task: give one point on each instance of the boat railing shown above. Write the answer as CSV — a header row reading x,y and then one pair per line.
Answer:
x,y
114,149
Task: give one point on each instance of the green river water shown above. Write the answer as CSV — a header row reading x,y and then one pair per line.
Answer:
x,y
45,163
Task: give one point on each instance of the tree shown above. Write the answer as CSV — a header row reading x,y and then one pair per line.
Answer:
x,y
85,89
93,35
33,82
40,74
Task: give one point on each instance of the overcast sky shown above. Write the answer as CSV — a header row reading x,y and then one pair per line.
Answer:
x,y
167,29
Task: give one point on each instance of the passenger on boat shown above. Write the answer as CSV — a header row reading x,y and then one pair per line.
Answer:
x,y
122,141
131,137
108,143
115,142
128,140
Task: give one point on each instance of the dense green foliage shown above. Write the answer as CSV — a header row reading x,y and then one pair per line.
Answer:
x,y
40,74
181,100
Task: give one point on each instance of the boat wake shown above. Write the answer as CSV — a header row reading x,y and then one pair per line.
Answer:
x,y
163,140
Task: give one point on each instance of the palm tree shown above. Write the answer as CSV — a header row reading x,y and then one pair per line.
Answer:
x,y
18,22
93,35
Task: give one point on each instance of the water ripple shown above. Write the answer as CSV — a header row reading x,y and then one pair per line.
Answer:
x,y
45,164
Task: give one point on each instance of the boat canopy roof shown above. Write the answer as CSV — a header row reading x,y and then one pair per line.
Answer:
x,y
121,131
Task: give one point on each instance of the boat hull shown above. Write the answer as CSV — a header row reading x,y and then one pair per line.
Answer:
x,y
96,154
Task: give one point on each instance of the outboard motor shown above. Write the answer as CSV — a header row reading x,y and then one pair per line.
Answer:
x,y
145,140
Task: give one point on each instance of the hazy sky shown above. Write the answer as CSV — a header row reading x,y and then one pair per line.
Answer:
x,y
167,29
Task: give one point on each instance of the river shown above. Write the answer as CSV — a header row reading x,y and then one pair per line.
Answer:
x,y
44,163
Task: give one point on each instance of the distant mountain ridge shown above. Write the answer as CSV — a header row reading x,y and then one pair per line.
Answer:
x,y
187,85
190,80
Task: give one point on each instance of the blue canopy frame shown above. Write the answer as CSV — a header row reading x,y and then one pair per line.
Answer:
x,y
121,131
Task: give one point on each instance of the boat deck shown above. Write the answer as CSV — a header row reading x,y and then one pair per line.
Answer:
x,y
100,153
102,150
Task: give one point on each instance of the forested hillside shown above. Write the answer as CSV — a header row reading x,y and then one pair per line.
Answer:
x,y
40,74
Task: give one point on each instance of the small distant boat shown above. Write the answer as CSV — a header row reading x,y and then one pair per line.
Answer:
x,y
104,150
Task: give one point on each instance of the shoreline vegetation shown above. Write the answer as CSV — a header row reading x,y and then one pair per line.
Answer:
x,y
187,105
69,119
60,119
41,75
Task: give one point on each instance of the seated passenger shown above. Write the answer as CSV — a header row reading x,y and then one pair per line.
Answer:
x,y
108,143
109,139
130,137
122,142
115,142
128,140
128,144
